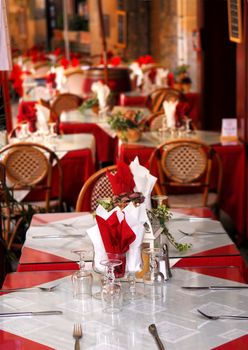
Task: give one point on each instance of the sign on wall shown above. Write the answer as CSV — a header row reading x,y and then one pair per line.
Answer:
x,y
235,20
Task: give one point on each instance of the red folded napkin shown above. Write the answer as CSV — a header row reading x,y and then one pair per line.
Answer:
x,y
122,181
117,237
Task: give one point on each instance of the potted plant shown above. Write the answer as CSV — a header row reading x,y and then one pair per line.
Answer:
x,y
128,125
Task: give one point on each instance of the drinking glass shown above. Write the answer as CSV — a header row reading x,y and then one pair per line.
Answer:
x,y
82,279
160,199
132,293
111,290
23,133
153,279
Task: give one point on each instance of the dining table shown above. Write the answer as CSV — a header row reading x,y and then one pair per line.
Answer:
x,y
51,238
77,156
232,196
88,121
175,313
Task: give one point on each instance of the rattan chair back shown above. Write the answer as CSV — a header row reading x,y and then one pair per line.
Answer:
x,y
63,103
156,98
155,121
29,166
186,164
96,187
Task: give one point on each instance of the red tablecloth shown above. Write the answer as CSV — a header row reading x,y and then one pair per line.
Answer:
x,y
105,144
77,167
233,188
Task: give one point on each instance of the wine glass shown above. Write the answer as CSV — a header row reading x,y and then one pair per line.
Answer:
x,y
52,134
160,199
153,279
23,133
132,293
81,279
111,290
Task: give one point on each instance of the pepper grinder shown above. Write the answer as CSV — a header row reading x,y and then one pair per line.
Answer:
x,y
167,272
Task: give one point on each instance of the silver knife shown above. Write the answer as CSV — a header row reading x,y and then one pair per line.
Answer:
x,y
57,236
214,287
30,313
192,219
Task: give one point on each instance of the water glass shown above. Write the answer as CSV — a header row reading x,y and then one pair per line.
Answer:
x,y
112,298
82,279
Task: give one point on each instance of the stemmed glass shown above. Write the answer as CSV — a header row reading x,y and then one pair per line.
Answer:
x,y
160,199
52,134
132,293
153,279
23,133
111,290
82,279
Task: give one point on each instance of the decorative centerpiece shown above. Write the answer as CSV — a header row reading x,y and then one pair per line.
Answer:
x,y
127,125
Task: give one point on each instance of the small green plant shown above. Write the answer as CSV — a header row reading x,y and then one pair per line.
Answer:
x,y
123,121
163,215
89,103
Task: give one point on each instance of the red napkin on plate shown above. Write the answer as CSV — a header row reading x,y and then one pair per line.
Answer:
x,y
122,181
117,237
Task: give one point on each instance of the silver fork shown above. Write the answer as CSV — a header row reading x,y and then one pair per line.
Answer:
x,y
77,334
222,317
202,233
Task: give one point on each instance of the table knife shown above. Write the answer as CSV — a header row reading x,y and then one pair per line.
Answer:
x,y
57,236
30,313
192,219
214,287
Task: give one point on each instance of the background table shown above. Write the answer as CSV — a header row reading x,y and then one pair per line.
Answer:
x,y
77,157
232,196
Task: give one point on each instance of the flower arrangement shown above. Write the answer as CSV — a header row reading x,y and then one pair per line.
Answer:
x,y
161,213
127,125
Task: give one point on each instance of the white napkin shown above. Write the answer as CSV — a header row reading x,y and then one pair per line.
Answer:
x,y
102,91
161,77
60,79
43,116
136,73
147,83
170,113
144,181
135,217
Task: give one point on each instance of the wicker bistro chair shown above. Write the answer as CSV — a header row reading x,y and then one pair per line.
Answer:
x,y
63,103
96,187
185,173
29,166
157,97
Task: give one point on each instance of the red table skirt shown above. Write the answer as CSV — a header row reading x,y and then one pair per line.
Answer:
x,y
77,167
105,144
232,199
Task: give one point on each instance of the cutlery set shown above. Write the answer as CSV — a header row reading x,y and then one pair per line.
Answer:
x,y
43,289
30,313
214,287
